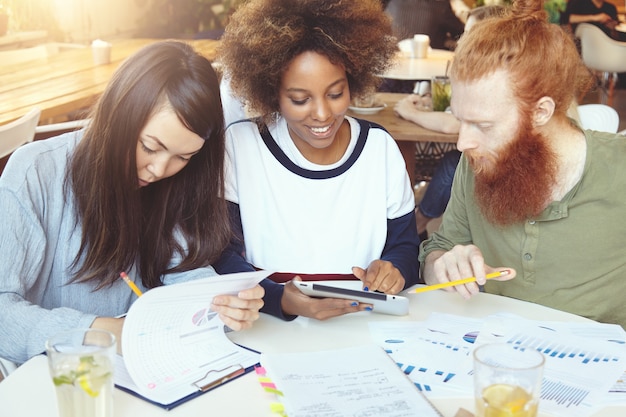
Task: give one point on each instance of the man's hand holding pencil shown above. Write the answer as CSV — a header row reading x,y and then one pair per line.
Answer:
x,y
461,269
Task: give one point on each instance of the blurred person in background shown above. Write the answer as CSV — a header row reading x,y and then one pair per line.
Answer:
x,y
418,109
600,13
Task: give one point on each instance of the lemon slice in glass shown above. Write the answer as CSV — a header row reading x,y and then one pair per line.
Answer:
x,y
507,401
89,375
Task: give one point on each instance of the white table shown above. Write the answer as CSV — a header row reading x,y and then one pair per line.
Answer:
x,y
407,68
29,392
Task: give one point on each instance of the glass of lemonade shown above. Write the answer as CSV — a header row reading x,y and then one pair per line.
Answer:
x,y
441,91
81,364
507,380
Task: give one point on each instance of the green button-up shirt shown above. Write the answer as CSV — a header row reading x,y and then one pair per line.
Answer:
x,y
572,257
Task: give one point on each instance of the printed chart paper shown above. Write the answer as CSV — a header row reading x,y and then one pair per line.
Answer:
x,y
585,362
580,369
175,346
359,381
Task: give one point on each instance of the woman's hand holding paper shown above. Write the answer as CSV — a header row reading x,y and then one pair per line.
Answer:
x,y
240,311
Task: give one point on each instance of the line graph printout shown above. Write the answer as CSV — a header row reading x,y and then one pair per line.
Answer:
x,y
583,360
175,345
430,353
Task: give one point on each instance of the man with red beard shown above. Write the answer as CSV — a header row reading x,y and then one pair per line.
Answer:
x,y
533,193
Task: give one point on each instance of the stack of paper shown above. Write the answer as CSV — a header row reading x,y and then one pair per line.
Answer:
x,y
583,360
359,381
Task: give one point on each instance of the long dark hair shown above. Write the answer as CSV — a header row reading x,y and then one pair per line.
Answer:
x,y
124,226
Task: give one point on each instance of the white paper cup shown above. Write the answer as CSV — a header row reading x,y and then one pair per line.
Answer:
x,y
101,52
421,43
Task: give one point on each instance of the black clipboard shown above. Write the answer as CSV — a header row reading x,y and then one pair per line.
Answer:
x,y
182,326
203,385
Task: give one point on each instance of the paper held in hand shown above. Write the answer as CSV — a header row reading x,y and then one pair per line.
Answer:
x,y
175,347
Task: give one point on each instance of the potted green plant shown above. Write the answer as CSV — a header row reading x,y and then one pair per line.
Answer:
x,y
554,8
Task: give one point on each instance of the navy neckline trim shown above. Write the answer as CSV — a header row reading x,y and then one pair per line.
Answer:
x,y
281,157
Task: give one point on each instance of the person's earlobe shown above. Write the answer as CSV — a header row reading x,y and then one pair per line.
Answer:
x,y
544,110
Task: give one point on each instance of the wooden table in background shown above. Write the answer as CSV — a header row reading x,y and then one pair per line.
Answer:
x,y
408,135
407,68
22,39
69,80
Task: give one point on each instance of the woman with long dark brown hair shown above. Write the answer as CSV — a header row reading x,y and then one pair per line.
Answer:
x,y
139,190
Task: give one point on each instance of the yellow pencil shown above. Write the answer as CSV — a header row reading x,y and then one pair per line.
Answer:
x,y
131,284
461,281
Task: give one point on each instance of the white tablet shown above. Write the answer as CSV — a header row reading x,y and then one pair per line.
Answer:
x,y
382,303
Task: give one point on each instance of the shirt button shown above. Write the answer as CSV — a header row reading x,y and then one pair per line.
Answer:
x,y
527,256
531,222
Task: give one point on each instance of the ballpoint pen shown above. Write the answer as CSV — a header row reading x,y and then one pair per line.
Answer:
x,y
131,284
460,281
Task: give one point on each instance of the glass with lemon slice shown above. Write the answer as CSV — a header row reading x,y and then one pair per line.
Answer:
x,y
81,364
507,380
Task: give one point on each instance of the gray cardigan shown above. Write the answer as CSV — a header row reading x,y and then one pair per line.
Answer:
x,y
39,238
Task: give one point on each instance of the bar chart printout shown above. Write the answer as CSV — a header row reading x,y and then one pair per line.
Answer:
x,y
585,361
430,353
580,370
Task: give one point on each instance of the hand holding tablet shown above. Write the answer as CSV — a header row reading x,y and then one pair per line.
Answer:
x,y
382,303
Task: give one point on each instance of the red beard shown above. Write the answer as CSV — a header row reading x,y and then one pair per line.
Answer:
x,y
518,184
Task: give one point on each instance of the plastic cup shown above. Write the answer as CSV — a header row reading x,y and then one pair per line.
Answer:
x,y
441,91
421,43
507,380
81,364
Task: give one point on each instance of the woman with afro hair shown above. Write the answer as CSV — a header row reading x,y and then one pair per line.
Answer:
x,y
315,194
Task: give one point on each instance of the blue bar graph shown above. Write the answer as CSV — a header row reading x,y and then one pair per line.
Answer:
x,y
561,352
414,371
562,394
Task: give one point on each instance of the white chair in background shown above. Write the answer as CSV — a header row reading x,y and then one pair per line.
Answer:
x,y
598,117
61,127
603,54
18,132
